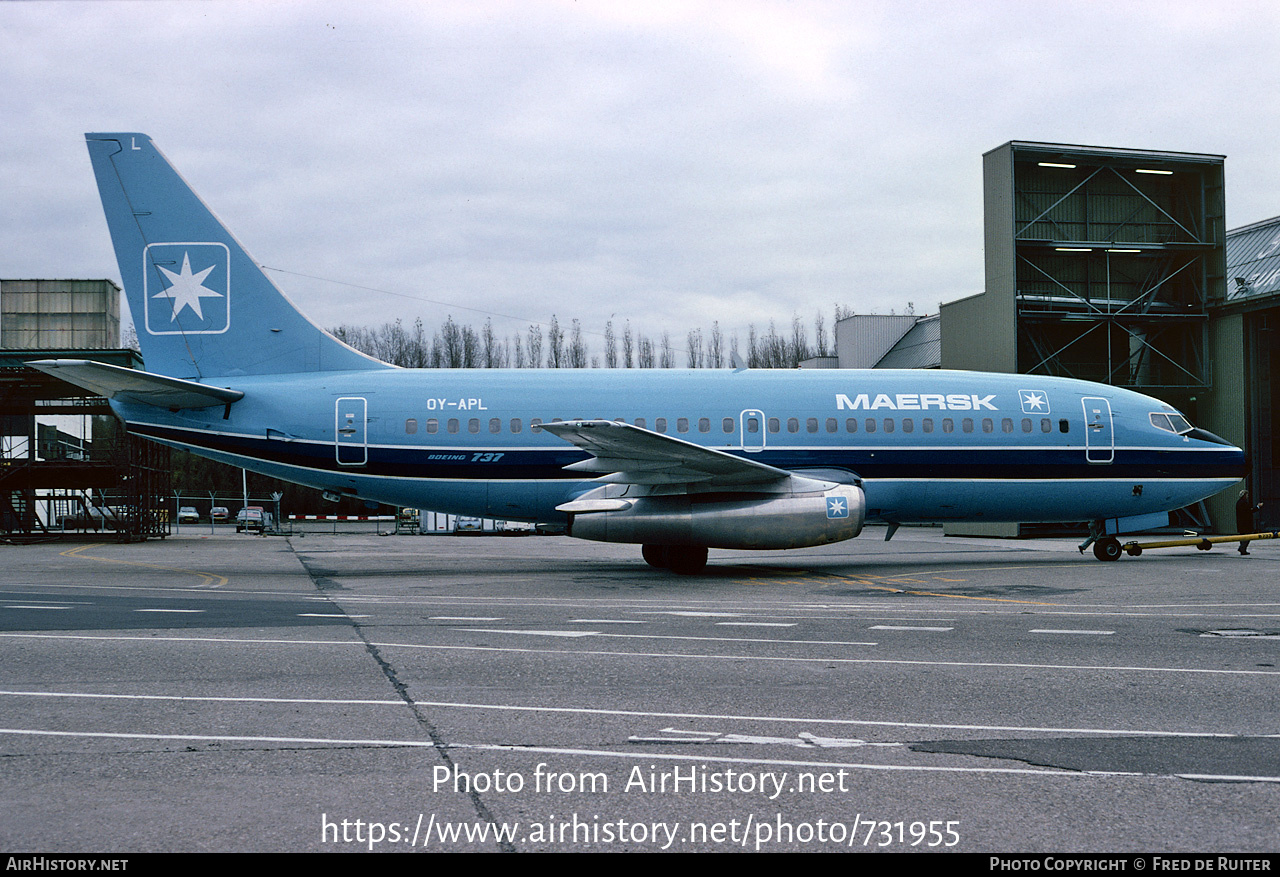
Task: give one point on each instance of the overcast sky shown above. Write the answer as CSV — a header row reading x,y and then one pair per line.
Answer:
x,y
673,164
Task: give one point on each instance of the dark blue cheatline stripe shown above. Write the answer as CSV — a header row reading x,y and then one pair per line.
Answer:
x,y
1050,464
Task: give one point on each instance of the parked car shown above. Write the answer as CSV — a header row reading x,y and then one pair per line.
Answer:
x,y
188,515
96,519
251,518
464,524
219,514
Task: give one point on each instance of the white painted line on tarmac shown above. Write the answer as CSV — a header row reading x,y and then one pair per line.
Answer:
x,y
1064,630
649,714
604,621
17,606
901,662
465,618
910,627
568,633
755,624
188,611
596,753
1227,778
741,639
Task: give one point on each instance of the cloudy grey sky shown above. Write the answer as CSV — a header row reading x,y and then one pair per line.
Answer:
x,y
670,163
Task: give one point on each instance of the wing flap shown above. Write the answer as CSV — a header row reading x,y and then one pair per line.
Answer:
x,y
627,454
116,382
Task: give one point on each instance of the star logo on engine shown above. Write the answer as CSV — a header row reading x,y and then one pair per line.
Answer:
x,y
837,507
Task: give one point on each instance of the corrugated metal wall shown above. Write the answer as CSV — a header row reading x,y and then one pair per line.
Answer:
x,y
59,314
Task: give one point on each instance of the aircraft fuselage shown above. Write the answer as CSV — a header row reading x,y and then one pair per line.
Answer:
x,y
924,445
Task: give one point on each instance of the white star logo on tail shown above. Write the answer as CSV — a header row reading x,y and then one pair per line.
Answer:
x,y
186,289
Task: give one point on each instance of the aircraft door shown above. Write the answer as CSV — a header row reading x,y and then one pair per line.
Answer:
x,y
751,429
351,431
1099,433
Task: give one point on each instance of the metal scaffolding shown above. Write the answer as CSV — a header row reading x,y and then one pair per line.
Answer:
x,y
1118,257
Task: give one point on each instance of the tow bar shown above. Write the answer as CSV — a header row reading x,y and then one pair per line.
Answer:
x,y
1203,543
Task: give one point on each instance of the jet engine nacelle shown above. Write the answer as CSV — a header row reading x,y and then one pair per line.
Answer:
x,y
766,522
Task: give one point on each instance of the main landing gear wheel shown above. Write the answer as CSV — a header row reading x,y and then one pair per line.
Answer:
x,y
687,560
1107,549
655,556
683,559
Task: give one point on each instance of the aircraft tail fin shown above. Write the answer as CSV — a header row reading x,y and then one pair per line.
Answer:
x,y
202,307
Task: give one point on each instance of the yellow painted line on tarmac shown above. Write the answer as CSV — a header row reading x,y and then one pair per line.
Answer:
x,y
208,579
960,596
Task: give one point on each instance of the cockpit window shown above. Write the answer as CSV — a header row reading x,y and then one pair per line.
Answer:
x,y
1174,423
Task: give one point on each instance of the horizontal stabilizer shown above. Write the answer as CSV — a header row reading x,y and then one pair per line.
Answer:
x,y
115,382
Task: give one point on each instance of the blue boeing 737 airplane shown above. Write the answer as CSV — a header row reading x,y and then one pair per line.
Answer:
x,y
677,461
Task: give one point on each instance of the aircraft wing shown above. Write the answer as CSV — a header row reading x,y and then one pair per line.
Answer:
x,y
626,454
114,382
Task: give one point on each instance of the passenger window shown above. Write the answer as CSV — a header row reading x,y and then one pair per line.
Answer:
x,y
753,425
535,424
851,424
515,425
1026,424
1046,425
774,425
948,425
832,424
908,425
473,425
411,427
640,422
793,425
871,424
1007,424
704,424
682,424
927,424
967,424
811,425
660,425
433,425
888,424
453,425
495,425
988,425
1064,425
727,425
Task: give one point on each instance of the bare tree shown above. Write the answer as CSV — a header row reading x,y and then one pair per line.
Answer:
x,y
577,348
715,348
533,356
644,353
490,355
610,346
628,346
799,348
695,348
819,335
451,339
555,345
